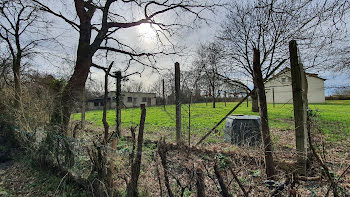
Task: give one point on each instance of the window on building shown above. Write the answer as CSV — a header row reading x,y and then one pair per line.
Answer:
x,y
283,80
144,99
101,104
95,104
129,99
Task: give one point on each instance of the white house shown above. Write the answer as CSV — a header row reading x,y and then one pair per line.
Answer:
x,y
279,88
128,99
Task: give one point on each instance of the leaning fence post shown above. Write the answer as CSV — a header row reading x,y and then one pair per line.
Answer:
x,y
265,130
177,103
299,85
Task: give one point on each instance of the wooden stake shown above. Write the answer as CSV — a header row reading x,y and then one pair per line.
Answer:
x,y
264,126
189,121
117,109
273,97
299,85
177,103
225,98
164,101
132,189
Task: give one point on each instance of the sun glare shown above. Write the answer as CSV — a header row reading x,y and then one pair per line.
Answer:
x,y
147,32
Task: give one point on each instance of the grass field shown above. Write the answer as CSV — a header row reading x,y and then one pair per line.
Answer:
x,y
333,116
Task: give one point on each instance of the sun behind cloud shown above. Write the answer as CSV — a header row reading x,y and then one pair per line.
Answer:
x,y
147,32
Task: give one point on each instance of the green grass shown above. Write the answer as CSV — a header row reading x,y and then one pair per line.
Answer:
x,y
333,116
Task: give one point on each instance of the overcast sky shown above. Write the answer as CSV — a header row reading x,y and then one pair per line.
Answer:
x,y
143,38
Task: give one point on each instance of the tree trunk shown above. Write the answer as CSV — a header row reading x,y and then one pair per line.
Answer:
x,y
76,83
17,80
83,110
265,132
255,102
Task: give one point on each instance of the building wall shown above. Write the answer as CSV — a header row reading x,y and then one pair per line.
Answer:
x,y
315,92
135,99
282,88
97,105
129,99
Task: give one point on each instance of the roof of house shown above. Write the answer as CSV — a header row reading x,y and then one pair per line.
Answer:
x,y
288,69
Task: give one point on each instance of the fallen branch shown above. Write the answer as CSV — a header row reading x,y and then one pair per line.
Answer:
x,y
305,178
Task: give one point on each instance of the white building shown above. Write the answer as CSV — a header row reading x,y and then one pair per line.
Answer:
x,y
128,99
279,88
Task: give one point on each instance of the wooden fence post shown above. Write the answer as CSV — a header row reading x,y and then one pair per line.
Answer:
x,y
225,98
132,187
273,96
189,121
177,103
164,101
247,100
200,183
299,85
117,108
265,131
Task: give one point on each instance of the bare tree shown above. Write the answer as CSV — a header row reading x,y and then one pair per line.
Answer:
x,y
100,23
268,25
208,63
134,86
22,31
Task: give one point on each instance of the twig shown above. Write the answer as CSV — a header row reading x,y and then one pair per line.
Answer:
x,y
239,182
158,176
60,184
344,172
326,169
162,153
